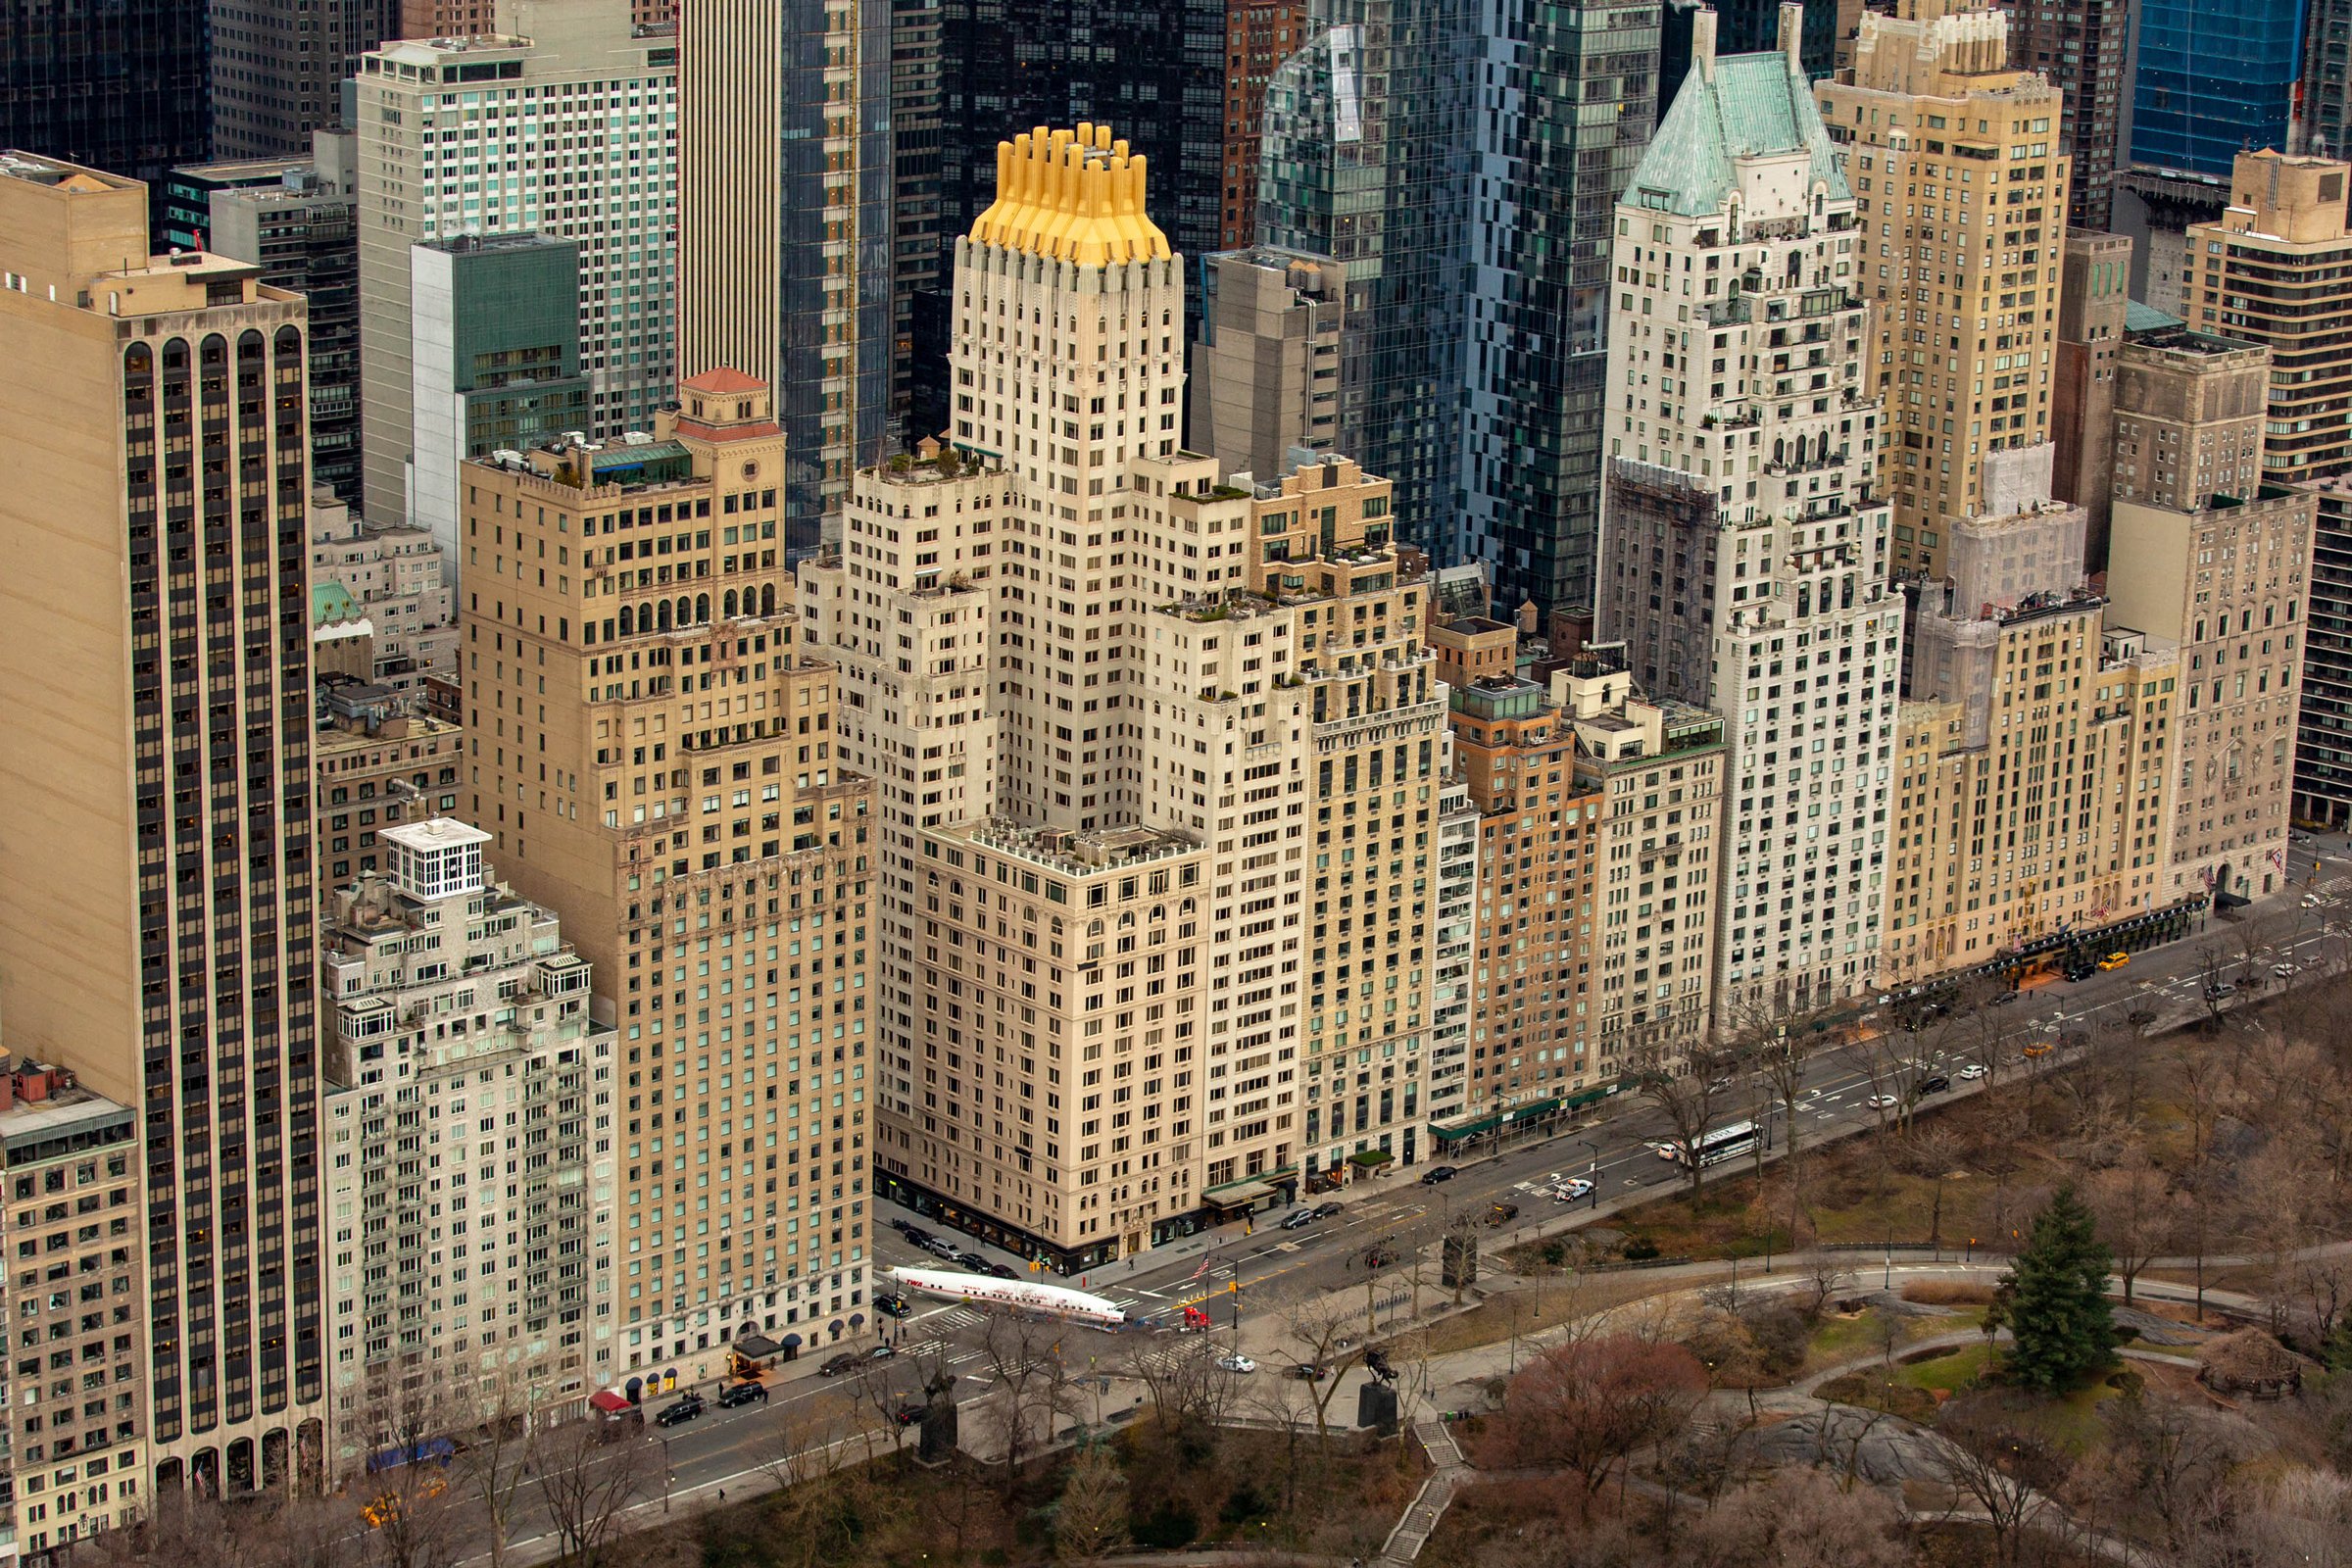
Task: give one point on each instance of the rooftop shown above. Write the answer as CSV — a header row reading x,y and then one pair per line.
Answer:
x,y
2178,339
471,244
723,379
2140,318
434,834
34,1128
36,169
1080,853
1074,196
1748,106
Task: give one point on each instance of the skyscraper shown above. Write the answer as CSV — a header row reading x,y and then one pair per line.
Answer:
x,y
2326,90
675,795
2093,300
122,88
1743,558
1960,185
1744,26
2081,47
1259,36
785,202
917,240
160,923
2214,78
437,115
279,67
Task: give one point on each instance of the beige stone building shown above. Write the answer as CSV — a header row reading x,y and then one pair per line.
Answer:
x,y
2034,762
2093,300
2276,269
658,763
2189,417
381,761
466,1065
1960,193
158,914
75,1457
394,577
2229,583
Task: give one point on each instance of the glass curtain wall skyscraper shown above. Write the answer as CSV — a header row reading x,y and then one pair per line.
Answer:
x,y
2214,79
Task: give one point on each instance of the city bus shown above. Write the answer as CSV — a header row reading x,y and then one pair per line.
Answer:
x,y
1728,1142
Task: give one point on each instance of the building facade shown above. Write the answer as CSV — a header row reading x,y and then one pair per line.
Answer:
x,y
2276,269
123,89
471,1169
78,1408
1259,36
2082,47
382,761
575,71
705,846
183,963
1267,361
1744,554
2323,734
917,242
2093,300
2212,79
785,202
2228,582
396,580
300,231
2189,409
1455,958
2019,681
1939,135
279,67
493,364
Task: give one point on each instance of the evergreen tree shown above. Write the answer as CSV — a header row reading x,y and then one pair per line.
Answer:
x,y
2060,1325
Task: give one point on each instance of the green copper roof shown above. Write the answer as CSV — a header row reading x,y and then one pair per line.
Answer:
x,y
331,601
1757,106
2140,318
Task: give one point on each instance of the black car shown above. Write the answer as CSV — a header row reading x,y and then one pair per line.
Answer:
x,y
1379,1256
735,1393
2004,999
1298,1219
1308,1371
909,1412
1005,1271
846,1361
902,1226
973,1261
685,1409
1438,1173
892,1304
1934,1083
1325,1211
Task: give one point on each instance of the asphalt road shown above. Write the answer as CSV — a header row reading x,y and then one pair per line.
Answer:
x,y
694,1462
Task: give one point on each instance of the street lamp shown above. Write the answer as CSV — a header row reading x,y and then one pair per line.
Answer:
x,y
1593,1169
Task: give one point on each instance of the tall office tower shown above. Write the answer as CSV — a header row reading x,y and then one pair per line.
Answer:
x,y
2228,580
2082,46
436,115
693,810
117,87
2324,736
299,228
494,363
1960,182
1266,365
1744,556
785,202
2189,417
76,1453
1259,36
2212,79
2325,127
381,760
2092,729
2093,300
2276,269
171,960
1365,162
1546,178
916,237
447,19
279,67
463,1036
1745,26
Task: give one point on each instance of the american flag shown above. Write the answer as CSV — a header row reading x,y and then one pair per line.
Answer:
x,y
1203,1269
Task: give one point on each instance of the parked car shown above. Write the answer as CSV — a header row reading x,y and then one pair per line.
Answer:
x,y
1379,1256
2220,989
973,1261
2115,961
1003,1271
1502,1213
735,1393
941,1247
2080,971
892,1304
2004,999
2283,971
1438,1173
1971,1072
846,1361
1236,1363
1298,1219
1933,1083
1329,1208
684,1409
1665,1148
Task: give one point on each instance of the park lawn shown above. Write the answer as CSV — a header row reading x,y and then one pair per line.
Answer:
x,y
1530,1309
1947,1374
1840,1338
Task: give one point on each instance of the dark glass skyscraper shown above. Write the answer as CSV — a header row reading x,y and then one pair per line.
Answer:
x,y
1742,27
120,86
2214,79
2080,45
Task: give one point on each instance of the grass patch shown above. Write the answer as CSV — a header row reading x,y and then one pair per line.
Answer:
x,y
1530,1311
1946,1372
1874,1390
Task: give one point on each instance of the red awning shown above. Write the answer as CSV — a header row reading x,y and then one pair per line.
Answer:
x,y
609,1403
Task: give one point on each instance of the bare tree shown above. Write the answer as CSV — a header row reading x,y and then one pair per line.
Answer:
x,y
1691,1088
1931,1151
1588,1405
411,1511
1024,1359
1090,1519
2201,1074
2007,1471
2133,1206
808,1452
491,1468
1325,1331
2165,1458
585,1484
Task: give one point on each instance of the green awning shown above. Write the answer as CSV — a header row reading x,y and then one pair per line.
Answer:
x,y
1370,1156
1467,1129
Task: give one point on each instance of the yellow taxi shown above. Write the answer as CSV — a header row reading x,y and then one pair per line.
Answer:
x,y
2115,961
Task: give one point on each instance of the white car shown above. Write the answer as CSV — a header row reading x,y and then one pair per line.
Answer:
x,y
1666,1148
1882,1102
1971,1072
2283,970
1236,1363
1568,1191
